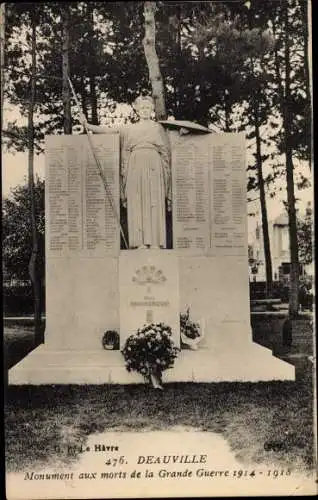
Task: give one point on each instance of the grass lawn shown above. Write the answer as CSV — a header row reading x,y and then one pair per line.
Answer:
x,y
268,423
18,341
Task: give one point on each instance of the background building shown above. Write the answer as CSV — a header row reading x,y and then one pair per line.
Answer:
x,y
280,252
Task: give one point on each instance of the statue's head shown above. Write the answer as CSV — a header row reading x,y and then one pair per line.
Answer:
x,y
144,106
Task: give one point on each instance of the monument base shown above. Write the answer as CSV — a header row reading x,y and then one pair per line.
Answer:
x,y
250,363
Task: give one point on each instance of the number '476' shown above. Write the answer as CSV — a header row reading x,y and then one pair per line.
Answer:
x,y
116,461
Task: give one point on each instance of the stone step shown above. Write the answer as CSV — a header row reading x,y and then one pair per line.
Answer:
x,y
251,362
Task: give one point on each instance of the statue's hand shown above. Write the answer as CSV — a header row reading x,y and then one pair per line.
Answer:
x,y
183,131
169,205
124,203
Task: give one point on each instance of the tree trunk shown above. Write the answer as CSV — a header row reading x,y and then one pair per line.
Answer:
x,y
2,42
227,110
179,74
285,105
66,91
306,23
83,95
175,24
261,185
203,115
149,44
33,271
92,82
92,85
287,120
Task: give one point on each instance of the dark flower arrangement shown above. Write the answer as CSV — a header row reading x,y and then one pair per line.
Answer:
x,y
189,328
110,340
150,351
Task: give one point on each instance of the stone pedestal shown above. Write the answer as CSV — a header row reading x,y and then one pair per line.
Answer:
x,y
92,287
226,353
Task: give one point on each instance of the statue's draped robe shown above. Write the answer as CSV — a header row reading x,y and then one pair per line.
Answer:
x,y
146,182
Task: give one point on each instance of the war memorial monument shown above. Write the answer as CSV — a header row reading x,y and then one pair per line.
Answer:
x,y
95,284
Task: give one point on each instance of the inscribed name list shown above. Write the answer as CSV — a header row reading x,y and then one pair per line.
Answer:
x,y
149,291
81,213
190,170
228,208
209,194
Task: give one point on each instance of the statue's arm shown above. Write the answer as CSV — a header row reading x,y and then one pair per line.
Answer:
x,y
99,129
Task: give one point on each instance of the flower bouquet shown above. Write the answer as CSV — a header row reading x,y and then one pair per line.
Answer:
x,y
110,340
150,351
190,331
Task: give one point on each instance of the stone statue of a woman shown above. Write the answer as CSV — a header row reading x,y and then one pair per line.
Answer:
x,y
145,176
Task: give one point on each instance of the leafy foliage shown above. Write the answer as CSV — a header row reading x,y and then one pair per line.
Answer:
x,y
305,238
206,52
16,232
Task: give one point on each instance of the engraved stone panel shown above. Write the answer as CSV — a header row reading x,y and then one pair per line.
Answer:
x,y
82,241
81,215
209,194
190,168
228,214
149,291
